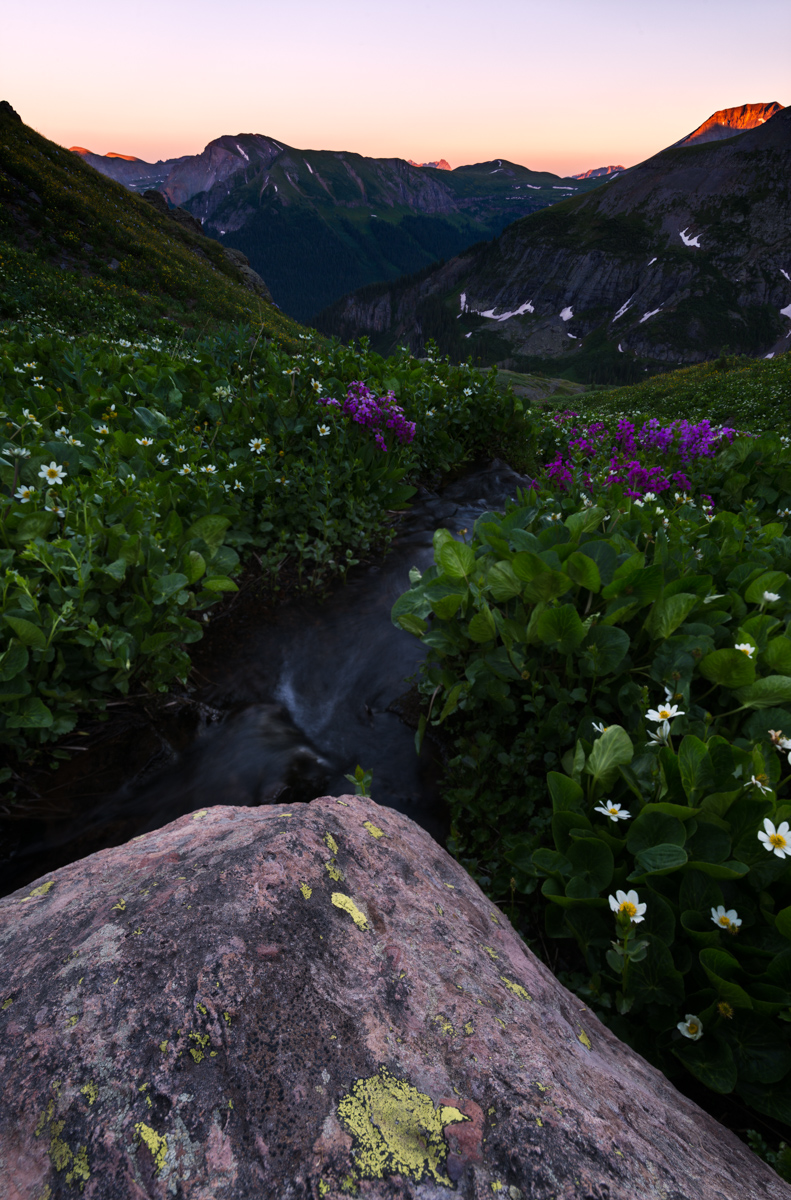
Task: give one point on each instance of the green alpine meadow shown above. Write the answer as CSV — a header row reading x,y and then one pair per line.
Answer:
x,y
607,672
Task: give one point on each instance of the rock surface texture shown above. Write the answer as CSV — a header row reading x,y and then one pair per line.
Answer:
x,y
316,1001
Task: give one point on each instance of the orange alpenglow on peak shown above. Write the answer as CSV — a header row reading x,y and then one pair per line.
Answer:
x,y
78,150
727,122
441,165
125,157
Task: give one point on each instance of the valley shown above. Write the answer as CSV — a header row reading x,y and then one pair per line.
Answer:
x,y
318,223
667,263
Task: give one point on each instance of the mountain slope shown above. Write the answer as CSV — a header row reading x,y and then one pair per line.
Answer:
x,y
76,245
729,121
318,223
686,253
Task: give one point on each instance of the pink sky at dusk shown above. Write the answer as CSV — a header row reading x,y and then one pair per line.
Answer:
x,y
560,86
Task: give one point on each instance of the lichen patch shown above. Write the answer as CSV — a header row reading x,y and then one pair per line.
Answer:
x,y
397,1130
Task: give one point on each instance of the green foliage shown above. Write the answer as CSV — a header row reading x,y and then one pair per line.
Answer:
x,y
646,666
362,780
170,466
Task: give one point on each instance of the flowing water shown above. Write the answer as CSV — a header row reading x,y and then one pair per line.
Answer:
x,y
290,703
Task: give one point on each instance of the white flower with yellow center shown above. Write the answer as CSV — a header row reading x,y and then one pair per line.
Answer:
x,y
24,494
53,473
209,470
613,811
163,459
145,441
237,485
627,904
185,470
745,648
102,429
600,728
723,919
691,1027
650,496
776,841
665,712
323,430
258,445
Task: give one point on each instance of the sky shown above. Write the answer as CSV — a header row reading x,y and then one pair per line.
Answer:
x,y
560,85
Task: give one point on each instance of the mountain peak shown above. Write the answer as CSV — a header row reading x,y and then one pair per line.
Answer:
x,y
595,172
442,164
727,122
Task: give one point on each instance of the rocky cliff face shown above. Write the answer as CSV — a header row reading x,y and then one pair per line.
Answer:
x,y
316,1001
670,261
133,173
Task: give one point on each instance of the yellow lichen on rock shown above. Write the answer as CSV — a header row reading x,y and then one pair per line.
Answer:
x,y
307,892
90,1092
39,891
330,842
374,830
334,871
347,904
157,1143
516,988
583,1037
397,1130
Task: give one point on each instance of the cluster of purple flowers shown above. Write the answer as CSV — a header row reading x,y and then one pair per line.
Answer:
x,y
379,413
625,448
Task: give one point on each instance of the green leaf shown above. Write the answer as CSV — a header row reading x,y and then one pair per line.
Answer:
x,y
565,793
603,650
482,627
583,522
446,607
165,586
14,660
211,530
502,583
220,583
33,714
611,750
561,627
592,863
550,862
117,569
727,870
668,613
760,1055
412,624
456,559
193,565
722,968
783,923
652,829
658,860
28,633
777,655
583,571
155,642
31,526
709,1060
730,668
562,824
695,767
765,693
769,581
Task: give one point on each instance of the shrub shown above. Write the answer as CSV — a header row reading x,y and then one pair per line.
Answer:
x,y
639,653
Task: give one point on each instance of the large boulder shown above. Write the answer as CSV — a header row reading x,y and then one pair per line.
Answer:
x,y
316,1001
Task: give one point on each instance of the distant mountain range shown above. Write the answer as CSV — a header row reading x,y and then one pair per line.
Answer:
x,y
595,172
442,164
319,223
667,262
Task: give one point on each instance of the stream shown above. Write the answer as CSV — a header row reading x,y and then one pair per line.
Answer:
x,y
289,702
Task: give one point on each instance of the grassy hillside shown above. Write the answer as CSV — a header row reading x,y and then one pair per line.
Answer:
x,y
83,249
742,392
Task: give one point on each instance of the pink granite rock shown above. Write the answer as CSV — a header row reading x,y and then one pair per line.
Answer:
x,y
316,1001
